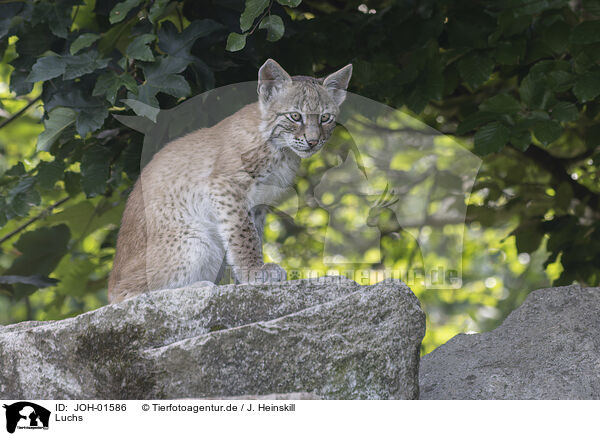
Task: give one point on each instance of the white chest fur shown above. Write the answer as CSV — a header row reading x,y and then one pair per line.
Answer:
x,y
273,185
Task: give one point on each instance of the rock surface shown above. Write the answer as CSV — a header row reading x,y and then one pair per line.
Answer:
x,y
330,338
549,348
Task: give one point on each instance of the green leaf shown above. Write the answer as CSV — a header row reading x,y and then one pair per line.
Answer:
x,y
521,140
179,44
42,249
90,119
157,9
120,11
251,12
565,111
46,68
142,109
547,131
83,41
586,32
475,120
118,37
289,3
491,138
160,77
274,26
528,237
501,104
79,65
475,70
23,196
72,183
532,90
58,120
84,217
95,170
236,42
587,87
49,173
138,49
108,85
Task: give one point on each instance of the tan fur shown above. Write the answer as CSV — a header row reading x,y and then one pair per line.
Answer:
x,y
199,198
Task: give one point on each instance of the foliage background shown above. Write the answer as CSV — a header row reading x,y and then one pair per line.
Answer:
x,y
517,81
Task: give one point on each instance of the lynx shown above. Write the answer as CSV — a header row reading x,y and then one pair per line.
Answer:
x,y
200,202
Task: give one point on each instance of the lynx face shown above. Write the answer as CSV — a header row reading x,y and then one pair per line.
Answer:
x,y
300,112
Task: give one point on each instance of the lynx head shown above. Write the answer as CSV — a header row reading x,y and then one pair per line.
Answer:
x,y
299,112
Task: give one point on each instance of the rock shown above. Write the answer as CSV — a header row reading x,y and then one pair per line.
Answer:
x,y
549,348
329,338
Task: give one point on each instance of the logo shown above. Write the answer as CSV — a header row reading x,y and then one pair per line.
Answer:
x,y
26,415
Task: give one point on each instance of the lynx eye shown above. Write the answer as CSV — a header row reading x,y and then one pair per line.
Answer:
x,y
295,116
325,118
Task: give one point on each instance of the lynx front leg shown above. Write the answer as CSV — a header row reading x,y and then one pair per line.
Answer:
x,y
242,241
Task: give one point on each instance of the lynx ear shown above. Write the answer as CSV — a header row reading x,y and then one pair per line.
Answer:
x,y
337,83
271,78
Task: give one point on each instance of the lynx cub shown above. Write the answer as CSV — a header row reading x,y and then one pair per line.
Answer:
x,y
200,201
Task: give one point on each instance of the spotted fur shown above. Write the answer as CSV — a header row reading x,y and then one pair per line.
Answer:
x,y
200,202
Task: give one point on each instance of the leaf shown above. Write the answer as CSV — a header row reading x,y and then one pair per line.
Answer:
x,y
179,44
109,84
532,90
586,33
120,11
236,42
547,131
58,120
565,111
36,280
83,41
49,173
142,109
157,9
491,138
475,70
46,68
118,37
528,237
475,120
587,87
79,65
95,170
23,196
501,104
160,77
289,3
90,111
138,49
274,26
72,183
41,251
90,119
84,217
252,10
521,140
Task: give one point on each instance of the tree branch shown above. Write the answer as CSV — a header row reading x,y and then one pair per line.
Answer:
x,y
21,112
32,220
556,169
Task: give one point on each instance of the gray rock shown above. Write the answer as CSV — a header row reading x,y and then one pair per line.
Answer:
x,y
330,338
549,348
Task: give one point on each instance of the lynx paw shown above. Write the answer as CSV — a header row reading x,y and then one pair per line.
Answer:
x,y
269,272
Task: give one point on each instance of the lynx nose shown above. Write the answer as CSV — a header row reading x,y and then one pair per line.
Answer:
x,y
311,142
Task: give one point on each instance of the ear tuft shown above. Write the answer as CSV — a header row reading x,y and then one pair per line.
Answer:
x,y
337,83
271,78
